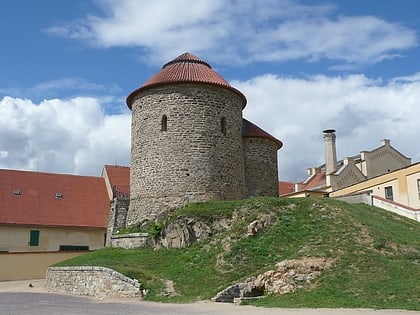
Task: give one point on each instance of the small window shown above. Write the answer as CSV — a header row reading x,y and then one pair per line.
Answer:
x,y
73,247
58,195
223,127
16,192
418,187
34,238
388,193
164,123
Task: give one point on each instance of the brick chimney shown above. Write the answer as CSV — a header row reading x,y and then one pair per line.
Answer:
x,y
330,151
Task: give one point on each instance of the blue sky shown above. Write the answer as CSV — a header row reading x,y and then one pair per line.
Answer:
x,y
305,66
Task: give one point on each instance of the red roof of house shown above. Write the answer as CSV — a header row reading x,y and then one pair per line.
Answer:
x,y
251,130
286,188
316,181
185,68
33,198
119,179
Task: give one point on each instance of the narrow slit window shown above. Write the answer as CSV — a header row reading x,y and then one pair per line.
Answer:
x,y
164,123
223,126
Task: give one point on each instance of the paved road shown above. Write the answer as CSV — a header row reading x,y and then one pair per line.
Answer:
x,y
20,299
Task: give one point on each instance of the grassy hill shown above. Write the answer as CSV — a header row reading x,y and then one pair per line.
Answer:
x,y
376,254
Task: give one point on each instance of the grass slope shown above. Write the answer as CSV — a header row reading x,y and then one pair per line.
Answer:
x,y
377,254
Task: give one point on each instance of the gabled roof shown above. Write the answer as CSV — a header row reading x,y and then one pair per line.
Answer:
x,y
119,180
286,188
118,175
314,182
185,68
45,199
251,130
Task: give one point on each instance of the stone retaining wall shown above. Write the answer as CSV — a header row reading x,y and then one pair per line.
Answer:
x,y
131,240
93,281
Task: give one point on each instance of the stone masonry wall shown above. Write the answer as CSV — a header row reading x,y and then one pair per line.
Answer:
x,y
117,217
195,159
93,281
132,240
261,172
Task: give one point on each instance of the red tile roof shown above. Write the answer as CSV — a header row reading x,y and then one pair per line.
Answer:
x,y
286,188
84,200
251,130
316,181
185,68
119,179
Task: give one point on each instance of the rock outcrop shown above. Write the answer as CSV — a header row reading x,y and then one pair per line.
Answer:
x,y
288,276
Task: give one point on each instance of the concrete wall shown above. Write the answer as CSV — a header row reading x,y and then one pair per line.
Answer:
x,y
382,203
93,281
194,159
23,266
16,238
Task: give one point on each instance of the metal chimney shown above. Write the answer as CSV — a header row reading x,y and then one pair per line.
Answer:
x,y
330,151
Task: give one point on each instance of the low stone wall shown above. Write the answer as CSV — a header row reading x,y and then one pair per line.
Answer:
x,y
132,240
93,281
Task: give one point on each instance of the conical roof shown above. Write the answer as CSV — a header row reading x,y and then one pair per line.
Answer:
x,y
183,69
253,131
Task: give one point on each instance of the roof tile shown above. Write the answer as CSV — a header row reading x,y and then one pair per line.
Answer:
x,y
185,68
251,130
84,201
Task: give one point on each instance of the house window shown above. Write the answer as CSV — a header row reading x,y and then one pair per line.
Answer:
x,y
223,127
34,238
388,193
418,187
73,247
164,123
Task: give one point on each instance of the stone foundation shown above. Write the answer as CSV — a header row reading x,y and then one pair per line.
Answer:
x,y
131,240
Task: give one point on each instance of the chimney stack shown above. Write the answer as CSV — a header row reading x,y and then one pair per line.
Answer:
x,y
330,151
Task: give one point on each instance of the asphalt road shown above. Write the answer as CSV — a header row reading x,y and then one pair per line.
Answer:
x,y
18,299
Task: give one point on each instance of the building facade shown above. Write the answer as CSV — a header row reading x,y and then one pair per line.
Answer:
x,y
338,174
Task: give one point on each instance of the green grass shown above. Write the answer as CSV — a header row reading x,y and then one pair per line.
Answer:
x,y
376,254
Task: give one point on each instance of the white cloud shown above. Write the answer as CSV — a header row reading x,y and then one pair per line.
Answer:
x,y
362,110
76,136
63,136
241,31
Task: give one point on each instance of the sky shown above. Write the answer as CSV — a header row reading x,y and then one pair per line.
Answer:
x,y
66,68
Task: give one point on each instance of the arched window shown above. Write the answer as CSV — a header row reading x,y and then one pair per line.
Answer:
x,y
223,127
164,123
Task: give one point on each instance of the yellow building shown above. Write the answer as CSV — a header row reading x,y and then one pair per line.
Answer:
x,y
45,218
397,191
337,174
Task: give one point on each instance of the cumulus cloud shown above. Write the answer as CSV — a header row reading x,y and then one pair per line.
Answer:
x,y
362,110
65,136
240,31
76,136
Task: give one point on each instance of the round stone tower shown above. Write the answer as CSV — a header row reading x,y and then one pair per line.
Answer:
x,y
186,140
260,161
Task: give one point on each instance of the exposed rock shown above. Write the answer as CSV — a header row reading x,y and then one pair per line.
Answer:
x,y
183,233
258,224
241,290
289,276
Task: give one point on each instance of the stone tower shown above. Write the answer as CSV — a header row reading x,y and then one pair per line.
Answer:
x,y
186,139
260,161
